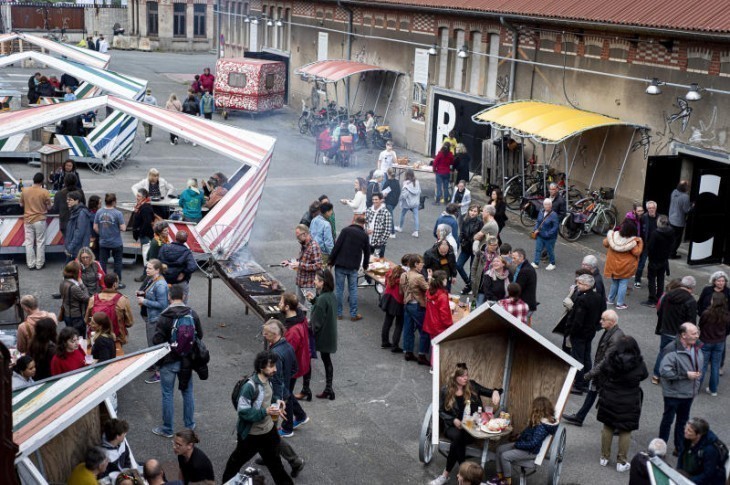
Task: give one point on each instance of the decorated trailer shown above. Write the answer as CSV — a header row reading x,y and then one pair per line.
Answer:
x,y
251,85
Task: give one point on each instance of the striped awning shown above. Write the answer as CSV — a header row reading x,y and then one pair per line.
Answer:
x,y
545,122
331,71
226,227
108,81
44,410
79,54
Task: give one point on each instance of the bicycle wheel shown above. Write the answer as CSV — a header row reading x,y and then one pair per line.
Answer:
x,y
303,125
513,194
526,219
605,221
568,231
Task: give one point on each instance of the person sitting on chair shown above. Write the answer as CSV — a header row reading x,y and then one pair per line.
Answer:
x,y
458,393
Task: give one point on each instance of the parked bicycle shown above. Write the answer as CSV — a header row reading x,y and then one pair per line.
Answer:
x,y
590,214
535,185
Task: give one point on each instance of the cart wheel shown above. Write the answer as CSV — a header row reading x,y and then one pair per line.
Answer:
x,y
557,454
425,447
224,114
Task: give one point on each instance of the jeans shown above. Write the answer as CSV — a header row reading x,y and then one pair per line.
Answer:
x,y
168,372
587,405
679,407
464,257
391,208
403,212
655,277
624,440
116,253
665,340
642,263
35,244
147,130
581,351
294,411
351,275
378,251
442,187
266,445
413,319
546,244
617,292
208,116
397,331
713,356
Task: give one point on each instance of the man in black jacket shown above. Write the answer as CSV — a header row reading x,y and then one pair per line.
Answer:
x,y
173,365
391,191
525,275
180,262
143,219
352,250
582,321
648,224
677,307
609,339
659,248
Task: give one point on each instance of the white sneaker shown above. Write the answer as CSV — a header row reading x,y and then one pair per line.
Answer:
x,y
603,462
623,467
550,267
707,390
439,480
148,139
415,234
534,265
398,229
195,144
172,143
392,236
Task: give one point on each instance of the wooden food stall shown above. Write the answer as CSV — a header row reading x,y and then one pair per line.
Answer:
x,y
251,85
502,352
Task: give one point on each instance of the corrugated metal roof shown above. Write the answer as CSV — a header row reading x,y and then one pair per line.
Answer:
x,y
690,15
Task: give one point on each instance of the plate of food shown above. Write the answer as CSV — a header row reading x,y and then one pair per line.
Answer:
x,y
494,426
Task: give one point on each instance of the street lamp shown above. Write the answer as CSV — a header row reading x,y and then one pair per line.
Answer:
x,y
254,21
246,20
694,93
279,23
463,52
433,50
270,23
653,88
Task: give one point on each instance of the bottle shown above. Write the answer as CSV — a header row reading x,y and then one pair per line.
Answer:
x,y
20,185
473,305
478,416
467,411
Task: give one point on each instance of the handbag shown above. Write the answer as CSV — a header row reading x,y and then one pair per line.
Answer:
x,y
62,311
533,234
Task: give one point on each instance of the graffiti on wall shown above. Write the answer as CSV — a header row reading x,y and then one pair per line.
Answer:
x,y
705,133
682,115
644,142
502,86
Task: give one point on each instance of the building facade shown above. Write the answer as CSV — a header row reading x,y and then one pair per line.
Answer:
x,y
170,25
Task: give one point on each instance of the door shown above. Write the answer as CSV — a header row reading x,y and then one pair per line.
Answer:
x,y
707,230
454,113
662,177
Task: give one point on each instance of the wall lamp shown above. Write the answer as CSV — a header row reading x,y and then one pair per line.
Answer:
x,y
279,23
694,93
654,87
433,50
463,52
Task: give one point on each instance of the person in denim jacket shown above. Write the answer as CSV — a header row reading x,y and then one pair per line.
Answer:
x,y
153,298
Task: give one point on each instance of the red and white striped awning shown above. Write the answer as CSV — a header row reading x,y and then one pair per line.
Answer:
x,y
79,54
331,71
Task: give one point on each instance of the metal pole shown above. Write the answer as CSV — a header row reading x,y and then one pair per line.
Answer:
x,y
357,90
508,360
544,173
504,177
390,97
621,172
210,294
575,154
598,160
218,41
567,179
380,90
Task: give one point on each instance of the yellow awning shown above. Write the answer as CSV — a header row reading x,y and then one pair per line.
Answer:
x,y
545,122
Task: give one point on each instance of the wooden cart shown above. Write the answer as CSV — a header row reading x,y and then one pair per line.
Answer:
x,y
501,351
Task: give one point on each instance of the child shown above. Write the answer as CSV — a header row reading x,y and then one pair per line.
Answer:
x,y
438,313
392,304
542,423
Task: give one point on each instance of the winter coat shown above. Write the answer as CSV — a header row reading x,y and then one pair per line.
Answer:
x,y
286,367
26,330
155,299
678,306
469,229
75,298
527,279
714,328
252,410
352,249
501,215
142,222
297,334
465,201
394,195
462,161
410,196
433,260
442,163
606,345
438,312
479,266
92,276
163,334
179,259
660,247
549,228
323,318
60,206
620,396
191,107
598,285
414,287
676,362
166,188
78,229
622,258
493,287
531,438
448,219
447,416
192,202
585,316
703,302
701,462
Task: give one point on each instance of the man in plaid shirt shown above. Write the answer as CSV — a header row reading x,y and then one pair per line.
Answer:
x,y
514,304
378,221
309,261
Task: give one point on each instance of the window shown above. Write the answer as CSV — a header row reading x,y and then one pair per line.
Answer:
x,y
178,19
152,18
199,19
269,82
237,80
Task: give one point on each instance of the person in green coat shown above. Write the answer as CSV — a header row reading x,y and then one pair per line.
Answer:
x,y
323,319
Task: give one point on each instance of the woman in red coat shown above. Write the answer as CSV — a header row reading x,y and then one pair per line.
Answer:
x,y
442,169
438,312
69,356
297,334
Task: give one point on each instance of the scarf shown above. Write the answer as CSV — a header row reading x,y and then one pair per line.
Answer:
x,y
162,239
142,202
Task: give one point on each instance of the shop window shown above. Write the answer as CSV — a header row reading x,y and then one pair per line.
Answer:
x,y
152,19
199,10
178,19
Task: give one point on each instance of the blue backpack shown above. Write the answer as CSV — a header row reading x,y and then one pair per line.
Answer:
x,y
183,335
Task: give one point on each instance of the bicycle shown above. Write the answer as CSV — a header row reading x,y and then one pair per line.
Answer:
x,y
589,214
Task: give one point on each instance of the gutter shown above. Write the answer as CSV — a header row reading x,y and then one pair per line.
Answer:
x,y
512,17
350,15
513,64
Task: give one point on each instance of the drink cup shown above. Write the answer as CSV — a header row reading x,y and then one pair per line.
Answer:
x,y
275,417
89,359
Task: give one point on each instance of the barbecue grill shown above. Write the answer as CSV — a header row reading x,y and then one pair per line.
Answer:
x,y
10,311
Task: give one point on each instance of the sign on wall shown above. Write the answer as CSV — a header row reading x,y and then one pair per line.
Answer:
x,y
420,66
322,46
454,112
254,35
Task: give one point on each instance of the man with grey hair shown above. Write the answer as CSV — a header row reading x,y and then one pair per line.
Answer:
x,y
581,324
490,227
559,205
590,263
606,345
680,370
639,471
545,234
375,186
648,222
678,306
658,248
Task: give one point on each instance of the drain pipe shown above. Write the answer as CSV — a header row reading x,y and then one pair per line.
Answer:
x,y
513,66
349,50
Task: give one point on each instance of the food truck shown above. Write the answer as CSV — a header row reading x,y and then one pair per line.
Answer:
x,y
251,85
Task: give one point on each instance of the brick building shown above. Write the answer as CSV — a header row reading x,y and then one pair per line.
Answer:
x,y
594,56
170,25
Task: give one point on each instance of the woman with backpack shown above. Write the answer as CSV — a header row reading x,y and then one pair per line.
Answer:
x,y
410,200
152,297
74,297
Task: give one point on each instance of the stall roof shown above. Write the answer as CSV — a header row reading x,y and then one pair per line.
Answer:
x,y
74,53
108,81
334,70
44,410
545,122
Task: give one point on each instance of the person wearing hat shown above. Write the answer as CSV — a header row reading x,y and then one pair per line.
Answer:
x,y
151,100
